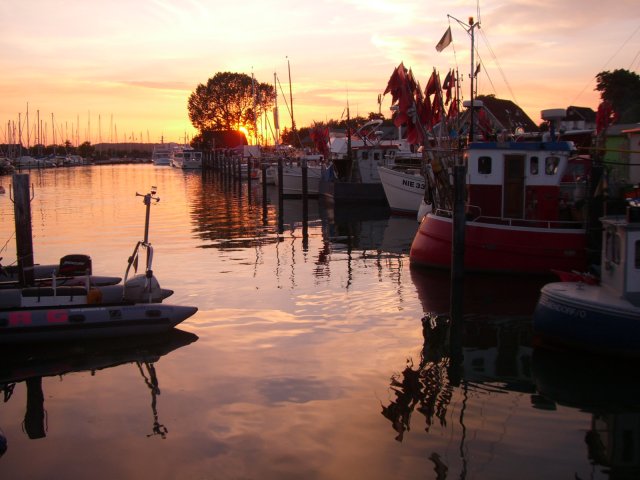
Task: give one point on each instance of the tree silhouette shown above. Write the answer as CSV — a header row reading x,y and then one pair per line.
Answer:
x,y
621,88
229,101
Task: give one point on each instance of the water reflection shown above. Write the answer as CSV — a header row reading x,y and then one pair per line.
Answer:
x,y
227,215
483,293
497,357
30,364
606,388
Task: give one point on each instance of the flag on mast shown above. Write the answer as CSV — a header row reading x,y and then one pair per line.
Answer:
x,y
445,40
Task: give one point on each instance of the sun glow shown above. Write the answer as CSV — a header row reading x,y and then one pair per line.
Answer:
x,y
245,131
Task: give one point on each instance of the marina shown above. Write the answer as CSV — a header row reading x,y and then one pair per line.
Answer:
x,y
317,350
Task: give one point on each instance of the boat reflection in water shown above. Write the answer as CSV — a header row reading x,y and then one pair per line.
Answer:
x,y
605,387
496,344
498,359
29,364
483,293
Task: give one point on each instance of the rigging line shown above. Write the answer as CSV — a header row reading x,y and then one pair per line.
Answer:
x,y
455,57
4,247
590,82
486,74
495,58
631,66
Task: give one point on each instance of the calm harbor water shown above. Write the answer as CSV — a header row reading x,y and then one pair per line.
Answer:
x,y
308,357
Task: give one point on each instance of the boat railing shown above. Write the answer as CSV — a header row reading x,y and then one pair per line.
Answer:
x,y
474,214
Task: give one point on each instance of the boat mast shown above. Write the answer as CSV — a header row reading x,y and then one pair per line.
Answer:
x,y
472,73
293,122
255,122
276,120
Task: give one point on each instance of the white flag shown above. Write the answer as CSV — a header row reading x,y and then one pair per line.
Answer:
x,y
444,41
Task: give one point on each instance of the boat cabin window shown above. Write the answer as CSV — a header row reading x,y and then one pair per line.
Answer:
x,y
637,260
376,156
365,155
533,166
612,247
484,165
551,165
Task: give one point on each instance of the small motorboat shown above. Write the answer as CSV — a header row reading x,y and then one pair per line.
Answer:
x,y
62,312
604,317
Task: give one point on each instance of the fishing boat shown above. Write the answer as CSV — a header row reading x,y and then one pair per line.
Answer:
x,y
352,175
604,317
524,212
404,189
53,313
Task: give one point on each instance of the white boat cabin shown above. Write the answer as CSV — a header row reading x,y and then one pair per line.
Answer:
x,y
620,263
542,181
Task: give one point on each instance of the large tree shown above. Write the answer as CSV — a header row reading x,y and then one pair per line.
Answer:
x,y
229,101
621,88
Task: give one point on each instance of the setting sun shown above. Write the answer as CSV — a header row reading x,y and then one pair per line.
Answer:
x,y
245,131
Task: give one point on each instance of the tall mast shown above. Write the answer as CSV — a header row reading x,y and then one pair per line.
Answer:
x,y
472,74
28,129
255,122
293,123
276,120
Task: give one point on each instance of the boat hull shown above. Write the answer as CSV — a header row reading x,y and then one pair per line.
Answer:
x,y
404,190
573,315
292,181
56,323
500,248
337,193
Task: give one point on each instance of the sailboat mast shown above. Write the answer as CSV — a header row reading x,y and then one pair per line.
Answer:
x,y
253,94
293,123
276,120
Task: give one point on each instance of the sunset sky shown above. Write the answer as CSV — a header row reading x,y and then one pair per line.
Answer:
x,y
106,71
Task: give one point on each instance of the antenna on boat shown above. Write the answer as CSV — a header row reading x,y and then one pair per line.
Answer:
x,y
133,259
470,26
147,201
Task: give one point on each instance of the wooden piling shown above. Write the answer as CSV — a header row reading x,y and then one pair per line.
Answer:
x,y
305,198
24,239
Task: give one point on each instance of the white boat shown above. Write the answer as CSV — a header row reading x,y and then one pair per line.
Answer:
x,y
31,314
186,158
353,173
604,317
404,189
292,176
161,155
27,161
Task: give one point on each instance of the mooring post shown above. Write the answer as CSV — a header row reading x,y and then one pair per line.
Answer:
x,y
457,264
280,198
24,239
305,198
